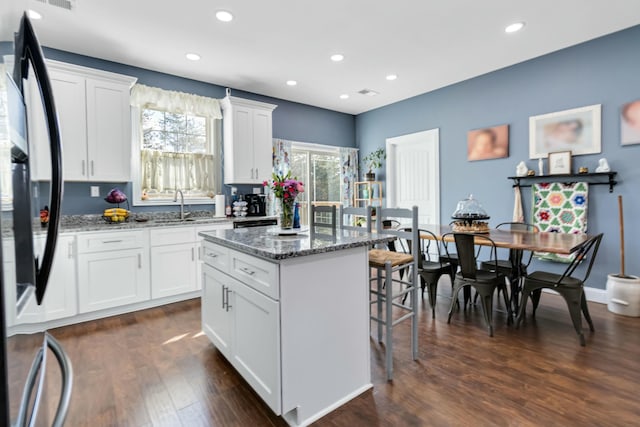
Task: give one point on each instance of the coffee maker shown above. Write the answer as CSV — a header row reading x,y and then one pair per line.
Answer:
x,y
256,205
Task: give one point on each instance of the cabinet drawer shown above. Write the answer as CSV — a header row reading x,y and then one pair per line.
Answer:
x,y
216,256
172,236
259,274
109,241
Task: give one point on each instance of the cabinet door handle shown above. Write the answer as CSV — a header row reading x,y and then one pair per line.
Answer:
x,y
92,169
112,241
70,251
225,297
83,168
212,255
193,254
247,271
256,173
228,292
139,261
199,253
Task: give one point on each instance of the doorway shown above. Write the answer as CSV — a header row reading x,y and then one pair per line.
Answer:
x,y
413,173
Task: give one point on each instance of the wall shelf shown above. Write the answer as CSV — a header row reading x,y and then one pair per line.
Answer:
x,y
593,178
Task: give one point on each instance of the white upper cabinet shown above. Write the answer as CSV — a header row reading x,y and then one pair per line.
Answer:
x,y
248,139
95,124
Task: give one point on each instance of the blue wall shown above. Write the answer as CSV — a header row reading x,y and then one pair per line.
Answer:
x,y
293,121
603,71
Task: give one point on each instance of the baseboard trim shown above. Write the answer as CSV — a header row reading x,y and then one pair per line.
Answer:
x,y
593,294
32,328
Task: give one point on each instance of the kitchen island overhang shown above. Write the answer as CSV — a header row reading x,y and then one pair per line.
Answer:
x,y
291,314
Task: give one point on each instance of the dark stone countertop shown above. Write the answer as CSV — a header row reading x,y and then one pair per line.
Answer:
x,y
264,242
81,223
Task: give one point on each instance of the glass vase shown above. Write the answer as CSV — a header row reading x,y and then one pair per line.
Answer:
x,y
286,213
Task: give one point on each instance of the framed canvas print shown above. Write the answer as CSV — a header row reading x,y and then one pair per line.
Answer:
x,y
488,143
630,123
560,163
577,130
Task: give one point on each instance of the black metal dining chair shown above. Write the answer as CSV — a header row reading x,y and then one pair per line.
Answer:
x,y
570,287
430,265
485,282
515,267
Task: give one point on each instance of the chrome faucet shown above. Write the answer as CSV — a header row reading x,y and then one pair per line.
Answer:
x,y
175,199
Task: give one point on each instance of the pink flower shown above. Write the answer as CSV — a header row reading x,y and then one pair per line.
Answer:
x,y
265,183
300,187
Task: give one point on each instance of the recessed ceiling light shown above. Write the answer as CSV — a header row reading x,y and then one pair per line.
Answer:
x,y
392,77
193,56
224,16
32,14
515,27
337,57
291,82
344,96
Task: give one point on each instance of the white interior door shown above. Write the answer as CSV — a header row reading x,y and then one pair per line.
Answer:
x,y
413,174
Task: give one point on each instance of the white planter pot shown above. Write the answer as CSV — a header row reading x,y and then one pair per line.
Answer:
x,y
623,295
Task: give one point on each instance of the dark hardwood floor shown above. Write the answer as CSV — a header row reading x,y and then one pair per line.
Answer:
x,y
156,368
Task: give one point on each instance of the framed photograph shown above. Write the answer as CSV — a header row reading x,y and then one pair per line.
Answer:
x,y
577,130
630,123
560,163
488,143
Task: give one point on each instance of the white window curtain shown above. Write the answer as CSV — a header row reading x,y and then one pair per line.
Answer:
x,y
348,173
281,156
163,172
159,173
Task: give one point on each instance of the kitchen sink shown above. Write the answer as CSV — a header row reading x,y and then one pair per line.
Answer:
x,y
179,221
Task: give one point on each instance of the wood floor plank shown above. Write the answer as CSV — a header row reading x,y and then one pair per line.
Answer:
x,y
156,368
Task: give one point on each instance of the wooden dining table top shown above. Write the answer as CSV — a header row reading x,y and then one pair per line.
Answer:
x,y
559,243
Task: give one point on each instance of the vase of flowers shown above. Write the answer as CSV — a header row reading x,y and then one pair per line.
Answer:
x,y
285,189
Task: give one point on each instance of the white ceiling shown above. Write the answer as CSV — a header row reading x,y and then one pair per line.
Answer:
x,y
429,44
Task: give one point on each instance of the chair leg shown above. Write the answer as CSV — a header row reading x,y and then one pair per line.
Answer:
x,y
379,305
414,318
486,300
507,304
433,294
535,299
388,321
573,297
585,311
523,307
454,299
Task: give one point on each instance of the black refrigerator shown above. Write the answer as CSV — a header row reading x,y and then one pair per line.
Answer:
x,y
23,275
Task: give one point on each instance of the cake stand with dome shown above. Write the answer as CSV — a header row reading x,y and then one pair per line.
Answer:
x,y
470,217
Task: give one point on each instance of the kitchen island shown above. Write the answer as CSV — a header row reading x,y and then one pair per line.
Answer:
x,y
291,314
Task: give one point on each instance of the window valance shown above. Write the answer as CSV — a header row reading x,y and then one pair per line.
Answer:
x,y
168,100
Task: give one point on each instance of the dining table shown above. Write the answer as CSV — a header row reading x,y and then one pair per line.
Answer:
x,y
517,240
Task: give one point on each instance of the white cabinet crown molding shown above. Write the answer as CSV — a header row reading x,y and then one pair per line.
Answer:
x,y
229,100
81,70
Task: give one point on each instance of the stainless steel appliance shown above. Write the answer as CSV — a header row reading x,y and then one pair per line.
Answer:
x,y
256,205
246,223
29,273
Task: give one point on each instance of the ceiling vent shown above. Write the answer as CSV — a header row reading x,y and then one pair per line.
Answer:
x,y
63,4
368,92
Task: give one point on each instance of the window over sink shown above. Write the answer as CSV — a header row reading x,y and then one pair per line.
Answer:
x,y
176,140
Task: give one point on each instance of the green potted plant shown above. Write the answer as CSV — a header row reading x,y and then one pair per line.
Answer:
x,y
373,161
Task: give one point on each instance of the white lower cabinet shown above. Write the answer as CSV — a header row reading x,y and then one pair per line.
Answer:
x,y
244,325
60,298
173,261
216,319
113,270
